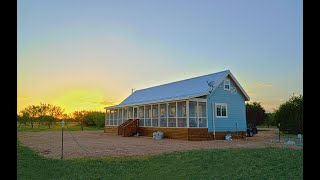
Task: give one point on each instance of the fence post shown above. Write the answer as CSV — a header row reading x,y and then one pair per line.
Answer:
x,y
62,123
279,131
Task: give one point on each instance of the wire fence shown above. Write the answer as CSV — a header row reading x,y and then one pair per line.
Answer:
x,y
288,139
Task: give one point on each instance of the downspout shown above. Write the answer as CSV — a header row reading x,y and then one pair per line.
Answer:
x,y
214,126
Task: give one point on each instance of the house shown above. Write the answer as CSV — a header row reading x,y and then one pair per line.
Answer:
x,y
200,108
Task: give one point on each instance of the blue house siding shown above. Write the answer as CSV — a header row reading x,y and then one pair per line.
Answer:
x,y
236,110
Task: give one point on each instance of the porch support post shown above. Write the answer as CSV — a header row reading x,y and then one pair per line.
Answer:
x,y
187,110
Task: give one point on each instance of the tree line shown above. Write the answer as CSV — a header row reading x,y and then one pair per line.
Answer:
x,y
289,115
47,114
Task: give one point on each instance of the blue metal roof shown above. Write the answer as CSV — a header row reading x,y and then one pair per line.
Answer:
x,y
187,88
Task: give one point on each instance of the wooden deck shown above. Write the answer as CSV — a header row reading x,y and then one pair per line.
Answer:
x,y
235,135
189,134
172,133
111,129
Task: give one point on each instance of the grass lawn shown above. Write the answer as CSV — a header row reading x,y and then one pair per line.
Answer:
x,y
55,127
262,163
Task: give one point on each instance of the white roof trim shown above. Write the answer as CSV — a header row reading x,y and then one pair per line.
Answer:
x,y
155,102
247,98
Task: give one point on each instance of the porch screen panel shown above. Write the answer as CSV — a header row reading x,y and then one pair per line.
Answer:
x,y
193,114
125,118
182,114
155,119
130,115
141,115
163,115
148,116
202,106
135,113
111,117
120,116
115,117
108,117
172,115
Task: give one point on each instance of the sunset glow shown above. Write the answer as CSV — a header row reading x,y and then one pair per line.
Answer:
x,y
85,55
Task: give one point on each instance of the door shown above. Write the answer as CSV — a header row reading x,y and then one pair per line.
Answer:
x,y
135,112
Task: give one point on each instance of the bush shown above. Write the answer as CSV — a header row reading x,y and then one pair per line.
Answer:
x,y
94,118
290,115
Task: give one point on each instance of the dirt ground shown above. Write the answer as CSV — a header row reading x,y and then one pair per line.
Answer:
x,y
100,144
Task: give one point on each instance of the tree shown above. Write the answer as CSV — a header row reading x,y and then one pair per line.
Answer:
x,y
290,115
270,120
94,118
48,119
30,113
79,117
255,113
21,120
67,118
55,111
41,112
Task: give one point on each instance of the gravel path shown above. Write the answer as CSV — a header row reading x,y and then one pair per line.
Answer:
x,y
99,144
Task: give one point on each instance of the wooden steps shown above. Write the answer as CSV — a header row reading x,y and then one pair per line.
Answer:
x,y
128,128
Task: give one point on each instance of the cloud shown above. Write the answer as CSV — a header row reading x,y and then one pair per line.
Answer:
x,y
250,92
262,84
107,103
269,107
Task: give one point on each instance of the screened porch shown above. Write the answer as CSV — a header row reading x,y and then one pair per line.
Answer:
x,y
190,113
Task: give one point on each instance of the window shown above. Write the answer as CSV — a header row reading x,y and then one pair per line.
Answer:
x,y
221,110
226,84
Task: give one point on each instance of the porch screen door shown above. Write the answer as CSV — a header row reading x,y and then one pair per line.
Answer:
x,y
135,113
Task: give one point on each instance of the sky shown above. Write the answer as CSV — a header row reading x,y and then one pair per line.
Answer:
x,y
85,55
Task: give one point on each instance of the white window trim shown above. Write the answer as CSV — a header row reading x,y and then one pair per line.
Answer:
x,y
224,85
221,104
